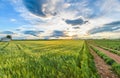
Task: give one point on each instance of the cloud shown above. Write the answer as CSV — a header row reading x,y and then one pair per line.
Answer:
x,y
13,20
48,15
34,6
78,21
42,8
33,32
110,6
7,32
57,33
110,27
76,27
107,35
116,23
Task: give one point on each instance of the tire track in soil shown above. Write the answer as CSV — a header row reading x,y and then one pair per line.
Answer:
x,y
110,54
102,68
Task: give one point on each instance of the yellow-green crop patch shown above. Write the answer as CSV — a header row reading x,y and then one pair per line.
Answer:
x,y
46,59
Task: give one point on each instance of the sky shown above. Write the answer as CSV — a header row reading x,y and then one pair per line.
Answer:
x,y
60,19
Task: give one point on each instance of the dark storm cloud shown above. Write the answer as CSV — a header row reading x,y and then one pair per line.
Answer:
x,y
32,32
110,27
36,7
57,33
7,32
78,21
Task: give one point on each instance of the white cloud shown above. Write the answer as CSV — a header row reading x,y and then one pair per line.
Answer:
x,y
108,7
108,35
13,20
109,11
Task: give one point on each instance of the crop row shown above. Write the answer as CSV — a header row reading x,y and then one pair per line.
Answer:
x,y
115,66
112,44
111,50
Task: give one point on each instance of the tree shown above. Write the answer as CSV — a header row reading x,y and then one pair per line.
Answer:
x,y
9,36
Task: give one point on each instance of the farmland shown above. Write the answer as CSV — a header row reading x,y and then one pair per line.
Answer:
x,y
111,44
55,59
46,59
108,50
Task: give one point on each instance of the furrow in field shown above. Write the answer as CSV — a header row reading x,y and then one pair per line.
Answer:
x,y
108,53
102,67
111,50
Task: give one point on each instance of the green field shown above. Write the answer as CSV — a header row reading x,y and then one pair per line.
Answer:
x,y
47,59
111,44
